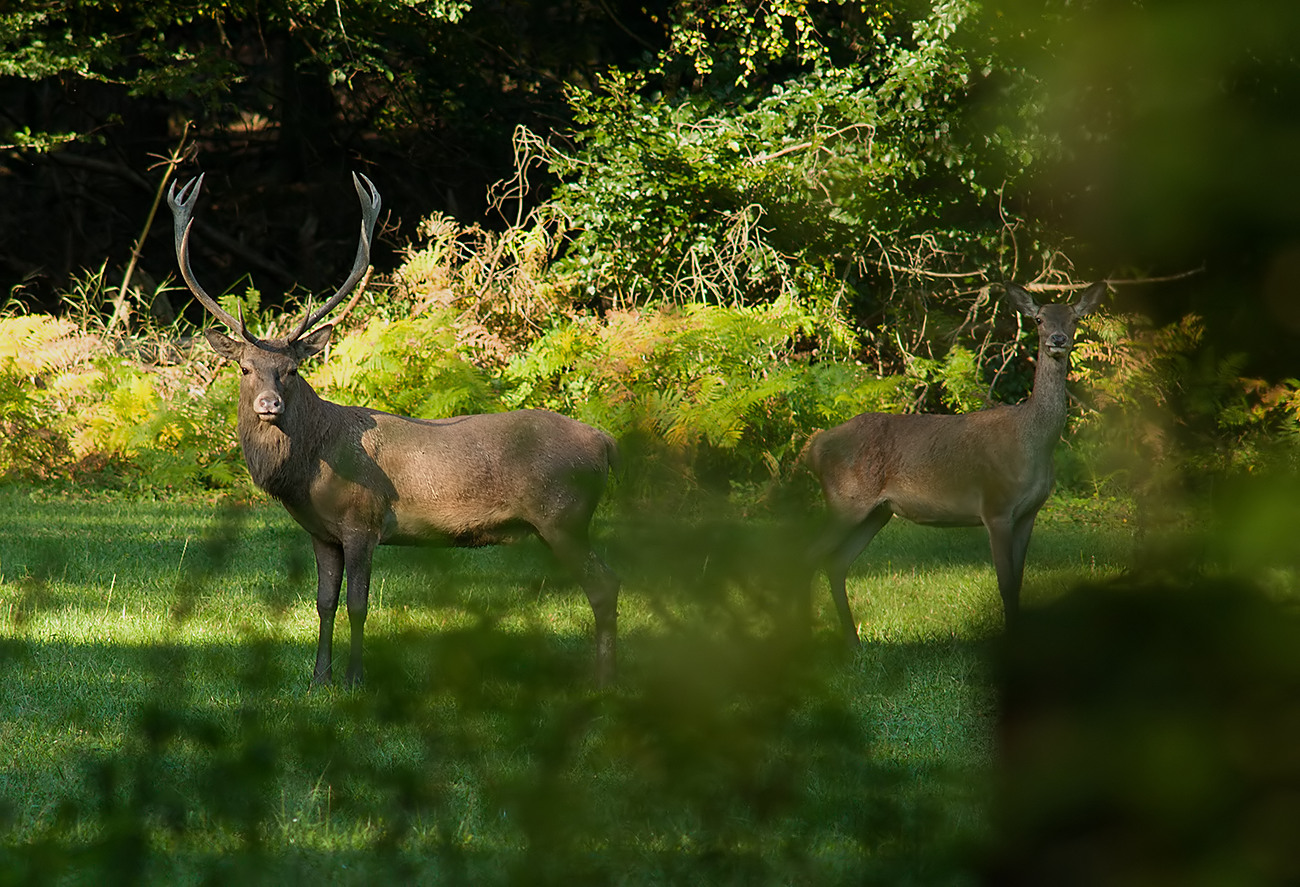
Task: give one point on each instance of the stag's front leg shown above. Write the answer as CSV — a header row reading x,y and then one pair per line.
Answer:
x,y
329,580
358,555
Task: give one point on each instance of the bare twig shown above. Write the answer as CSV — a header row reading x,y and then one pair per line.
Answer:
x,y
178,154
938,275
530,150
1130,281
790,149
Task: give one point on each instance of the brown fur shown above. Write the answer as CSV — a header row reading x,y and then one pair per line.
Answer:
x,y
355,478
992,467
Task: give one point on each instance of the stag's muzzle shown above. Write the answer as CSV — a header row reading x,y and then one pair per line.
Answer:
x,y
269,406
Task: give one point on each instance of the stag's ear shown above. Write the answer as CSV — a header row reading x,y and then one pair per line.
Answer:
x,y
1020,297
1090,299
314,342
224,345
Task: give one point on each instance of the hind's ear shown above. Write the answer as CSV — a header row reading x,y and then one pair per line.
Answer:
x,y
1020,297
1090,299
314,342
224,345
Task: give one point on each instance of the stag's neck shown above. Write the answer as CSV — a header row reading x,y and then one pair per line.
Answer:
x,y
1048,402
283,458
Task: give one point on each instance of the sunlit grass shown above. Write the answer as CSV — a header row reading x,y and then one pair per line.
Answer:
x,y
154,695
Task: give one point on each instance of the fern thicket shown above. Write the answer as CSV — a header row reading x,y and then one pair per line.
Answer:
x,y
410,367
724,381
74,410
723,394
1162,409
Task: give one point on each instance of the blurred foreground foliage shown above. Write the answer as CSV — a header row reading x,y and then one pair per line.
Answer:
x,y
1145,737
476,756
177,742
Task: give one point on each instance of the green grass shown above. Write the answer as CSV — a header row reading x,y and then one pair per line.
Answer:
x,y
157,724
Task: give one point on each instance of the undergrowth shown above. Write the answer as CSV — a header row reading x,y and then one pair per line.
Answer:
x,y
710,395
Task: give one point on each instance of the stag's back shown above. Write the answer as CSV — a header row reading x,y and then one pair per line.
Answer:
x,y
482,478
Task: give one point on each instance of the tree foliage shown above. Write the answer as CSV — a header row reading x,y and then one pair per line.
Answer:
x,y
285,98
826,153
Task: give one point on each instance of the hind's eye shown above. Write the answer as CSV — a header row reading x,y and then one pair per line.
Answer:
x,y
293,371
245,370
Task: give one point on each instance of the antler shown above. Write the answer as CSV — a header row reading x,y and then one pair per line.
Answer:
x,y
182,205
370,203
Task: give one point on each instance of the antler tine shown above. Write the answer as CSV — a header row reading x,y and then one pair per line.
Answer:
x,y
182,206
370,204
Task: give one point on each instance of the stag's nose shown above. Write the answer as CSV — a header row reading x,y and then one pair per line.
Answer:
x,y
268,405
1058,340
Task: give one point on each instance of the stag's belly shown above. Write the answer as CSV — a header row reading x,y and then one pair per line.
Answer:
x,y
431,527
473,538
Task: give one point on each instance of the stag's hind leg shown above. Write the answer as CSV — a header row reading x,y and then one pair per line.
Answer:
x,y
573,550
839,548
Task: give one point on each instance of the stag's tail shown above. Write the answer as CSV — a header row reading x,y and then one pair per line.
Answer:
x,y
613,460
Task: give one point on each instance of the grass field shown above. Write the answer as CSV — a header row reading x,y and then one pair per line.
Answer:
x,y
157,724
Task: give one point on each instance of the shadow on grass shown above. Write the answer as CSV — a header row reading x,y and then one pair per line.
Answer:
x,y
472,754
734,749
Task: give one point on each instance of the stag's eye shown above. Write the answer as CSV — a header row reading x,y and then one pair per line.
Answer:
x,y
245,370
1038,320
293,371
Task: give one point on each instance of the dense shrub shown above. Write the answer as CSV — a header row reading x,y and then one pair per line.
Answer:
x,y
719,383
410,367
73,409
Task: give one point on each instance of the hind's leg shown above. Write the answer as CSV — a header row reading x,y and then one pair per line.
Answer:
x,y
840,551
1009,542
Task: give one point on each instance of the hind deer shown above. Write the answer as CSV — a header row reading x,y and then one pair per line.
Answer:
x,y
991,467
355,478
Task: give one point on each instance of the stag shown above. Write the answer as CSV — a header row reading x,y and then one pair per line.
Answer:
x,y
990,467
355,478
